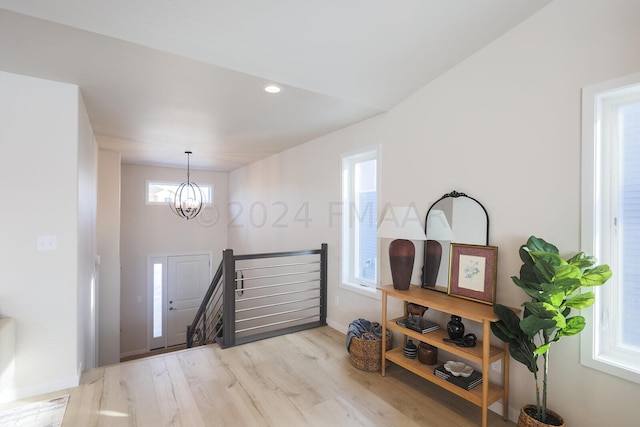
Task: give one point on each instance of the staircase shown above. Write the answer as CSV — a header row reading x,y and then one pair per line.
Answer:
x,y
258,296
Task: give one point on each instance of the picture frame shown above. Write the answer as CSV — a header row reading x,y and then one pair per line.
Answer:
x,y
472,272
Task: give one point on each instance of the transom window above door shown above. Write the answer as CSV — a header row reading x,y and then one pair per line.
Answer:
x,y
161,193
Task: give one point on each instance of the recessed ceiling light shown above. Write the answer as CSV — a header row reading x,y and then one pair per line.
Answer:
x,y
272,89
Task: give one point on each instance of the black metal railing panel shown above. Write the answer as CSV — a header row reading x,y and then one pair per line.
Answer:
x,y
258,296
208,318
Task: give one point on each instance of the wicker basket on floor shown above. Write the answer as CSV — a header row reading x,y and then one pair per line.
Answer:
x,y
366,354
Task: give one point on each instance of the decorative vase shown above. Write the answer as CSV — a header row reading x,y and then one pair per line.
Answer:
x,y
526,420
410,350
402,253
455,328
427,354
433,257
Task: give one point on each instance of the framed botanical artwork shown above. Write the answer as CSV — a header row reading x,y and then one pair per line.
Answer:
x,y
472,272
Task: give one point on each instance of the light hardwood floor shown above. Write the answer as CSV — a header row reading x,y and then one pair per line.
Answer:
x,y
301,379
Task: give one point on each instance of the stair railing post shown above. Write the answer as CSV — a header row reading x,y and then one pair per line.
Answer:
x,y
205,334
189,337
323,284
229,299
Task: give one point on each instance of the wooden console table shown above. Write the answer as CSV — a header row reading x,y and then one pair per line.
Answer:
x,y
482,354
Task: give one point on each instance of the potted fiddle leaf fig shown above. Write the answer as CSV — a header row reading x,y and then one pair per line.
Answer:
x,y
555,286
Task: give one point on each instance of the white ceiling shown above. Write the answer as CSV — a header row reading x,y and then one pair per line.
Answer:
x,y
164,76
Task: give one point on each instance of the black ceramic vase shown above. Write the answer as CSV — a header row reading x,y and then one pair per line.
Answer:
x,y
410,350
455,328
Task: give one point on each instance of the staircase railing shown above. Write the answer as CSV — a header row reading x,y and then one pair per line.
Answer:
x,y
258,296
207,323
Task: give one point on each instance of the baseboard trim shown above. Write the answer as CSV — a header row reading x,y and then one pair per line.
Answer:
x,y
133,353
11,394
337,326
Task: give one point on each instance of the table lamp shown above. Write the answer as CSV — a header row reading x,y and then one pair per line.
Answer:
x,y
403,225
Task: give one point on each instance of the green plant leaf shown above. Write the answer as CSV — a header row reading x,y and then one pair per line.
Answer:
x,y
509,324
524,353
537,244
568,285
549,258
582,261
532,325
544,266
542,349
541,316
524,284
575,325
596,276
552,294
501,331
580,301
534,290
526,269
566,271
540,309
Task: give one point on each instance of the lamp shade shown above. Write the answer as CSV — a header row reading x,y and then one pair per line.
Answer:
x,y
403,225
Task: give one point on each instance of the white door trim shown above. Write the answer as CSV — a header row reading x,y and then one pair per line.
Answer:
x,y
161,341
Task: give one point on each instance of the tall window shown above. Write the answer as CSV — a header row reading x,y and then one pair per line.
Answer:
x,y
158,285
359,219
611,223
157,329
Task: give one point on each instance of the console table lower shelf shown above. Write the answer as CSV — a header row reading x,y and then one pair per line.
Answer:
x,y
426,371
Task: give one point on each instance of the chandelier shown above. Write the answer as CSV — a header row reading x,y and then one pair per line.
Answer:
x,y
187,200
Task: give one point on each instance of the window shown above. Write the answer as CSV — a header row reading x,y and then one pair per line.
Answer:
x,y
161,193
359,220
157,329
158,286
611,224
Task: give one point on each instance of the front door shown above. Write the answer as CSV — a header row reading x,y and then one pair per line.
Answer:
x,y
187,281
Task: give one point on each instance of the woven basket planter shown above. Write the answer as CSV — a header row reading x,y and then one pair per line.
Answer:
x,y
526,421
366,354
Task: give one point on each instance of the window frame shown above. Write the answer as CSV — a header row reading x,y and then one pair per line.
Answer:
x,y
207,192
599,347
348,233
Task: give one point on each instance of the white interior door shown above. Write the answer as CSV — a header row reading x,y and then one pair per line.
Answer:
x,y
188,278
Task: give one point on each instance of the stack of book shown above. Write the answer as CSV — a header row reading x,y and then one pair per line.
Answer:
x,y
466,383
421,325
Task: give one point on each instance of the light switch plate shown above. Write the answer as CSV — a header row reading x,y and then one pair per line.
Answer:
x,y
47,243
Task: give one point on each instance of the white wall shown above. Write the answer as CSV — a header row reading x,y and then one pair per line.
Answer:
x,y
108,234
156,230
504,127
47,171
